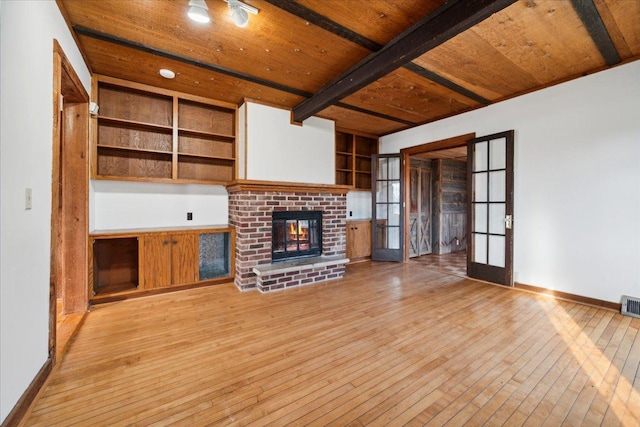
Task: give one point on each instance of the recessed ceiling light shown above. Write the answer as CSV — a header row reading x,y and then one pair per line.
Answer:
x,y
167,74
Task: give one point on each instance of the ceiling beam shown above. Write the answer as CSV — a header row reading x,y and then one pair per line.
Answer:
x,y
592,21
430,32
327,24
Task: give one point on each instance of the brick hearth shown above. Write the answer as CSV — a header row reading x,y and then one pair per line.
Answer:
x,y
250,206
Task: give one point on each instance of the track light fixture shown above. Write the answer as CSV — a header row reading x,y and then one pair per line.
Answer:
x,y
198,11
239,12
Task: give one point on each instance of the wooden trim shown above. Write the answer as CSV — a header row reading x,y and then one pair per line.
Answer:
x,y
592,21
442,144
431,31
69,193
23,404
101,78
54,255
569,297
286,187
135,232
246,142
163,290
93,133
174,138
454,142
160,180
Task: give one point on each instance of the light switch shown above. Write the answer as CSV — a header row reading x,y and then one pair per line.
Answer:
x,y
27,198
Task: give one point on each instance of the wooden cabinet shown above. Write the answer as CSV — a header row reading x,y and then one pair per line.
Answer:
x,y
149,134
125,263
353,158
169,259
358,239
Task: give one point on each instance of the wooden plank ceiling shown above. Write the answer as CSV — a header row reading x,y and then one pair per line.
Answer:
x,y
375,66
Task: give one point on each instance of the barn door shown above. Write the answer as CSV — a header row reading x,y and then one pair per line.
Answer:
x,y
490,189
387,210
419,210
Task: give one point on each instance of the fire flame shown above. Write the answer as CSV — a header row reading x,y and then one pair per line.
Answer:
x,y
299,233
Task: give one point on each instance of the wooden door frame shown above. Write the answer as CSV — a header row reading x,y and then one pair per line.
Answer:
x,y
69,193
405,155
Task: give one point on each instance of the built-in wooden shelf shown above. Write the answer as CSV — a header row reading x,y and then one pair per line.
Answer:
x,y
353,158
144,133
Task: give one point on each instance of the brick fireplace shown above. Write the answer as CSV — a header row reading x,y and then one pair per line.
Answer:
x,y
251,204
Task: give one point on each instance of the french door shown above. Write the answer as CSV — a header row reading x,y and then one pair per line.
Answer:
x,y
387,208
490,210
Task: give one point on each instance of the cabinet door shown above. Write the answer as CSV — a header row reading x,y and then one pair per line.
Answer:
x,y
157,260
184,258
358,239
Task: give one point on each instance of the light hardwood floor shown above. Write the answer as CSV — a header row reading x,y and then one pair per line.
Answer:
x,y
390,344
66,326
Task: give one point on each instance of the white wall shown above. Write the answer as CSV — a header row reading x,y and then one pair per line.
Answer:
x,y
359,205
27,30
280,151
577,180
124,204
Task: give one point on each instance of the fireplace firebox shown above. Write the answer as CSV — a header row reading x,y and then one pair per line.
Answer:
x,y
296,234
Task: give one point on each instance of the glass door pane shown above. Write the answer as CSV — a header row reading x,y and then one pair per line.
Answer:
x,y
387,223
491,207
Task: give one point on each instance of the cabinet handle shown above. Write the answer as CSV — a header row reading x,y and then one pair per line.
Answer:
x,y
175,242
166,242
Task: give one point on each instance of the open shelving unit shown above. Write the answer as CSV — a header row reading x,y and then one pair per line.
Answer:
x,y
353,158
144,133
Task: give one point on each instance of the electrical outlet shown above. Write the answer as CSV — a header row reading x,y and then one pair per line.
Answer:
x,y
189,216
350,213
28,199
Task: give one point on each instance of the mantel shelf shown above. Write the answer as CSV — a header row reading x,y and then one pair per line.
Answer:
x,y
286,187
